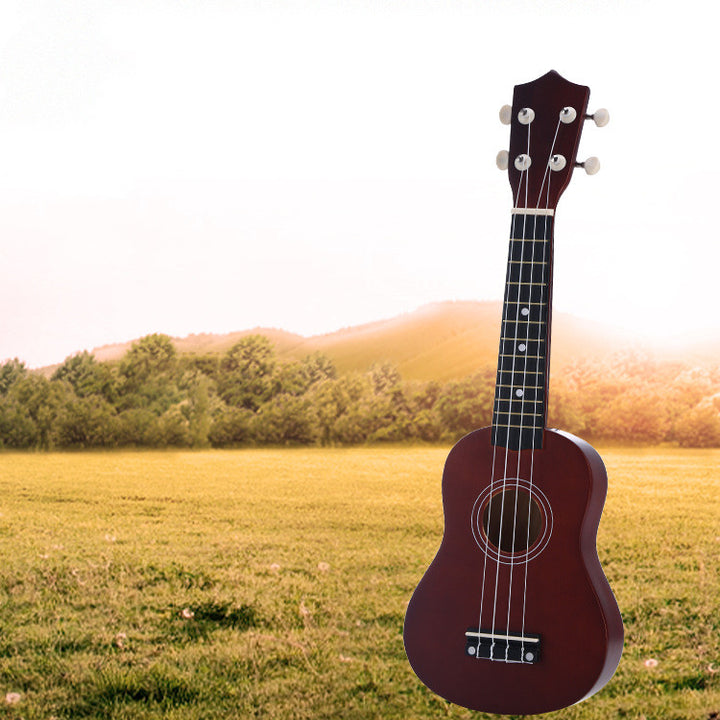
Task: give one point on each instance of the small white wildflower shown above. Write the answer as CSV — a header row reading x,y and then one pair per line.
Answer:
x,y
187,614
120,639
323,566
12,698
651,663
275,567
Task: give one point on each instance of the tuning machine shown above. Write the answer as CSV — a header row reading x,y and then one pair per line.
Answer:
x,y
591,165
601,117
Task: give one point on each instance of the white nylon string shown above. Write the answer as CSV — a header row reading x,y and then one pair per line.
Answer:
x,y
507,443
496,411
520,430
545,259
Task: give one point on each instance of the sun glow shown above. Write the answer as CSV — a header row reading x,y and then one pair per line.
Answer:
x,y
193,168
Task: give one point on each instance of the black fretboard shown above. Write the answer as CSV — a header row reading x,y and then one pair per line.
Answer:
x,y
521,386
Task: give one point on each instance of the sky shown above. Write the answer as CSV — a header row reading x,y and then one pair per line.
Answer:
x,y
188,166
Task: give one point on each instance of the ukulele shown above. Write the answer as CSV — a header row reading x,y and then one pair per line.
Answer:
x,y
515,615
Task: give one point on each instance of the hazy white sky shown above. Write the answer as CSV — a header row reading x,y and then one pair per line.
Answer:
x,y
187,166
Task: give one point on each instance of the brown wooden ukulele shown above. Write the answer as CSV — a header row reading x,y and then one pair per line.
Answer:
x,y
514,615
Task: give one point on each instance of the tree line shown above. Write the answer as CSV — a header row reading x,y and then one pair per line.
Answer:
x,y
154,397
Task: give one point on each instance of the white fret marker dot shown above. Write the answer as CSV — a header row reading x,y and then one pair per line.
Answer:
x,y
519,393
525,311
521,347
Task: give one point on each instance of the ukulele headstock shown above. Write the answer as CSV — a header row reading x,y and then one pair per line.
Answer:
x,y
546,122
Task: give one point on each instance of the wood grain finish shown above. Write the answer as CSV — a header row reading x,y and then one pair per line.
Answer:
x,y
568,600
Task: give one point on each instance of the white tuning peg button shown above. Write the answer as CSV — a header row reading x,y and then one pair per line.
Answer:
x,y
502,160
591,165
505,114
601,117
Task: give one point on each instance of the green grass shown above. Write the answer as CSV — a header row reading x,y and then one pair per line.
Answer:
x,y
273,583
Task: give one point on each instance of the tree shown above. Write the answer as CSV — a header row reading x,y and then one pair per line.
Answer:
x,y
87,422
137,427
150,355
246,372
17,427
465,405
147,375
287,420
173,429
231,426
699,426
44,402
11,372
637,414
87,376
385,377
341,408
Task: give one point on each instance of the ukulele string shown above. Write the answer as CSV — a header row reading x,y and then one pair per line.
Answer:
x,y
544,269
521,275
522,397
496,413
510,407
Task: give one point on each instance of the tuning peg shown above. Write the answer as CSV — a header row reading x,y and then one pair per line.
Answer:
x,y
502,160
505,114
591,165
600,117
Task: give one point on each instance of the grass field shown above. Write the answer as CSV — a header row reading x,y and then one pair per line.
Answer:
x,y
273,583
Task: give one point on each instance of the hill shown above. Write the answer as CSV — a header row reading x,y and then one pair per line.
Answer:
x,y
439,341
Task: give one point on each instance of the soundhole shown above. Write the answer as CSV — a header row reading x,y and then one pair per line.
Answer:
x,y
512,520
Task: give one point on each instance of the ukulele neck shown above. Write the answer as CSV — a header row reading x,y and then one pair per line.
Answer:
x,y
523,360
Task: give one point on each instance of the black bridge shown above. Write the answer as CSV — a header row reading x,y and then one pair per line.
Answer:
x,y
502,645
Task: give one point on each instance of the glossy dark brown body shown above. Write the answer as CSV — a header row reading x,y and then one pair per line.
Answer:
x,y
567,600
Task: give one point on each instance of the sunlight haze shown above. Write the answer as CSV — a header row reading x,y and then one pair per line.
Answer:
x,y
209,167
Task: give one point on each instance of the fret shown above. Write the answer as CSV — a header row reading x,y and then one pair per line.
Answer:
x,y
528,250
517,374
511,347
527,362
524,413
521,294
520,302
526,283
531,228
535,316
532,233
530,393
524,387
516,438
521,400
520,357
526,272
521,416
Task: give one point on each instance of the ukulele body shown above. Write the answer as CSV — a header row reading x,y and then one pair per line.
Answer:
x,y
549,589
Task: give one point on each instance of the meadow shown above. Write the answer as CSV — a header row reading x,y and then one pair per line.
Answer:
x,y
272,583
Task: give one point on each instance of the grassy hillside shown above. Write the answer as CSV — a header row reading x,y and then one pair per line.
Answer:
x,y
235,584
441,341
